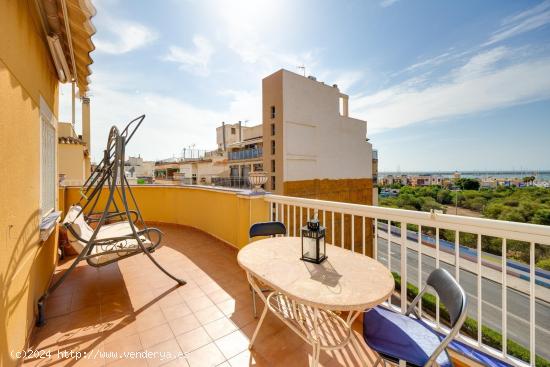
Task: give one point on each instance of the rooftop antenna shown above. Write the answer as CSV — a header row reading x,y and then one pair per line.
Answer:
x,y
303,68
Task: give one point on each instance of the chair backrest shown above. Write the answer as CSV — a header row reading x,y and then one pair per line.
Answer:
x,y
267,229
450,293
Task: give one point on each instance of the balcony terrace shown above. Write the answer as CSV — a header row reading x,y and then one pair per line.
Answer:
x,y
251,153
130,306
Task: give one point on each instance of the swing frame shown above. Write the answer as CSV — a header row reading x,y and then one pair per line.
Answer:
x,y
110,174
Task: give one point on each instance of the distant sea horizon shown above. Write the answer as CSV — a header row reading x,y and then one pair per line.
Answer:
x,y
540,175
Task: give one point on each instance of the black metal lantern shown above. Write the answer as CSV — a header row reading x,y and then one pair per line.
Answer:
x,y
313,242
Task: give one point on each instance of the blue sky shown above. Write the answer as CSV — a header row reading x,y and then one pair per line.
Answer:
x,y
443,85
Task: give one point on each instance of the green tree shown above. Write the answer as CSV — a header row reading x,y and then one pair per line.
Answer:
x,y
542,216
468,183
444,197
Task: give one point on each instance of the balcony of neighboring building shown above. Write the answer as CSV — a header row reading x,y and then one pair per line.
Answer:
x,y
245,154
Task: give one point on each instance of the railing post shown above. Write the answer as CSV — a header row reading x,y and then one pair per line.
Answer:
x,y
363,234
457,256
437,267
419,253
532,303
352,233
342,230
403,267
375,244
294,220
332,228
479,313
504,307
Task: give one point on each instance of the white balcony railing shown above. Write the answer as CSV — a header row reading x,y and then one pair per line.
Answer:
x,y
514,302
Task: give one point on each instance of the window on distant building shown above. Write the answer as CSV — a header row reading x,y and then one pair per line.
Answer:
x,y
273,165
272,129
48,184
233,131
273,183
272,146
272,112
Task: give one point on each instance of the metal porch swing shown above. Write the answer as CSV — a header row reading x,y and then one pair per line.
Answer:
x,y
109,241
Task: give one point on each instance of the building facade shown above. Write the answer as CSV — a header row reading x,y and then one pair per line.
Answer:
x,y
312,147
73,156
244,148
137,170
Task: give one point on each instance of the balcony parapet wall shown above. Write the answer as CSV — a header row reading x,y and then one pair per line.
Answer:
x,y
224,213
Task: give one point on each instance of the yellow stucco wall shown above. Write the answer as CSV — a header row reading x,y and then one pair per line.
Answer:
x,y
26,73
224,214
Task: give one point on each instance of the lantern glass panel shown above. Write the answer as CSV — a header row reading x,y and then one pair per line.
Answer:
x,y
310,248
322,247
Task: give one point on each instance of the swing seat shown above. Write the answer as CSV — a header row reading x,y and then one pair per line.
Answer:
x,y
113,242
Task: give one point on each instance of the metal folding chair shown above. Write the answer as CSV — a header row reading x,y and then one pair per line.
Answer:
x,y
264,229
395,336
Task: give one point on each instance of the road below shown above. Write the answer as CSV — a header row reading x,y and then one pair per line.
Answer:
x,y
517,305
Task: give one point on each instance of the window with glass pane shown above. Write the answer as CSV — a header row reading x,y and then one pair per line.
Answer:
x,y
48,183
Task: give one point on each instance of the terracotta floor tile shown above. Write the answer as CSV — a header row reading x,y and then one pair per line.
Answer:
x,y
149,317
209,314
155,335
184,324
248,359
227,307
193,339
130,343
233,344
207,356
129,362
164,353
178,362
175,311
199,303
243,317
221,327
219,296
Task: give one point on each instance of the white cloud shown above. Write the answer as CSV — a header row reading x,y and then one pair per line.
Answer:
x,y
170,124
126,36
475,87
481,63
244,106
523,22
196,60
386,3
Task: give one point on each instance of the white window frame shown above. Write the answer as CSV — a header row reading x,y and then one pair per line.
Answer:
x,y
47,116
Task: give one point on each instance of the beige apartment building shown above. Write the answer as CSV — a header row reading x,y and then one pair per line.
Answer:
x,y
313,148
244,149
73,155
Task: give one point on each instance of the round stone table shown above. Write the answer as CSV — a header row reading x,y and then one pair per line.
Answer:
x,y
307,296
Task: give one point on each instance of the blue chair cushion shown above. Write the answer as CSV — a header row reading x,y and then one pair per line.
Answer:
x,y
401,337
476,355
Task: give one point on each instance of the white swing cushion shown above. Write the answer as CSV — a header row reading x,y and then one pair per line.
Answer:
x,y
118,229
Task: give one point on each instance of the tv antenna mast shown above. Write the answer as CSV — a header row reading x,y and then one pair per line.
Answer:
x,y
303,68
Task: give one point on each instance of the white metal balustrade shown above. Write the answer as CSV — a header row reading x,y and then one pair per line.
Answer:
x,y
389,227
